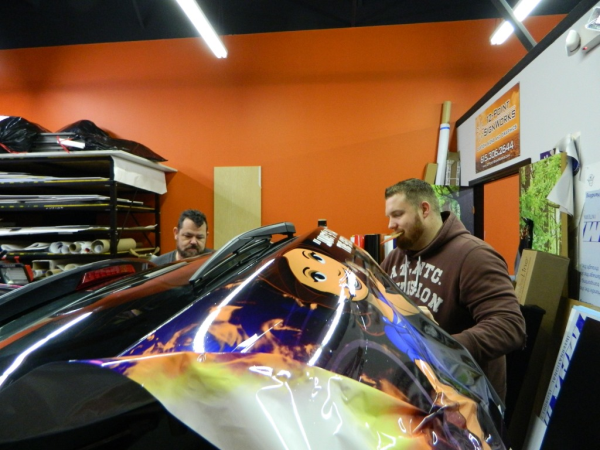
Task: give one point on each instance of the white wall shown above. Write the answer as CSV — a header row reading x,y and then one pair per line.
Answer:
x,y
559,95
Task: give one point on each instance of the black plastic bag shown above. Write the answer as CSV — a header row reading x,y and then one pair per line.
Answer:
x,y
17,135
97,139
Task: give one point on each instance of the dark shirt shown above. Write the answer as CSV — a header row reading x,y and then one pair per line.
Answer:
x,y
171,257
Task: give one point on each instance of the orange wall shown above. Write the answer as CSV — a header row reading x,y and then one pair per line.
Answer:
x,y
501,217
331,116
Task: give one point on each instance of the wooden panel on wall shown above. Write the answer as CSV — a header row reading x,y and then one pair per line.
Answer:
x,y
237,202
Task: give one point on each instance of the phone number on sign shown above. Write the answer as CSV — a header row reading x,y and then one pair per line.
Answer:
x,y
494,154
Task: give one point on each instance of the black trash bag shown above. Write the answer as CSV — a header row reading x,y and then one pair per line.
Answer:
x,y
17,135
97,139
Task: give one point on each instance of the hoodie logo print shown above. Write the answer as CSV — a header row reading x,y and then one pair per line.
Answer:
x,y
412,282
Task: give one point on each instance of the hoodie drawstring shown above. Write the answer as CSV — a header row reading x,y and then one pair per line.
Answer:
x,y
407,269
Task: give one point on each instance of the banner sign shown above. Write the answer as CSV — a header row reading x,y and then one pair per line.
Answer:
x,y
589,244
497,132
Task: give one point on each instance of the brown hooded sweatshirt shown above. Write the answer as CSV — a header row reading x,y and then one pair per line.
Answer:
x,y
465,284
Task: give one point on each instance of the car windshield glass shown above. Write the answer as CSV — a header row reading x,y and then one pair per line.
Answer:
x,y
241,250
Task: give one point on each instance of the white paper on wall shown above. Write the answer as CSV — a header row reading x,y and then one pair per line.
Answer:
x,y
562,192
589,246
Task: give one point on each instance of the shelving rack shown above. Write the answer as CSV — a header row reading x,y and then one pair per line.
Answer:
x,y
107,194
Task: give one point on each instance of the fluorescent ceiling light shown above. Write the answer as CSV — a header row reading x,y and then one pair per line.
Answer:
x,y
521,11
199,20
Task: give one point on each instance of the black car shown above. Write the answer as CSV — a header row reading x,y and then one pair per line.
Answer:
x,y
274,341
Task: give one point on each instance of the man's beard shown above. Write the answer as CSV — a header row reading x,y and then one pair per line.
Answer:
x,y
188,252
410,237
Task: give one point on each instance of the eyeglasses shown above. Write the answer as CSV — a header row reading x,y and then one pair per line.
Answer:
x,y
189,237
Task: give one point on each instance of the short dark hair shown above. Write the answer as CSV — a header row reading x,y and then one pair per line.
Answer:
x,y
195,216
415,191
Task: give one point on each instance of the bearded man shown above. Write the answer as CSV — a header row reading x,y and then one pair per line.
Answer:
x,y
190,237
461,279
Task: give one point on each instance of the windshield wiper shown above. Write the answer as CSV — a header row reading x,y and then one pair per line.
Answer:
x,y
240,248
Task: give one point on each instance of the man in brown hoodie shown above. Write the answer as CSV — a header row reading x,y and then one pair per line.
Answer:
x,y
461,279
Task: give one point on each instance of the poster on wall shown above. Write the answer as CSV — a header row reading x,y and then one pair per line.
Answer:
x,y
497,131
458,200
589,244
541,221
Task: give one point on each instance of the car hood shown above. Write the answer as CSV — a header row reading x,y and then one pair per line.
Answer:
x,y
309,345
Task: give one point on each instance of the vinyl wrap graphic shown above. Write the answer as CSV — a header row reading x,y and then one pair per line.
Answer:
x,y
270,401
310,352
309,346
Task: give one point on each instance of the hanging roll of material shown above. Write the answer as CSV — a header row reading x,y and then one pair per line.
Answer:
x,y
563,193
444,139
103,245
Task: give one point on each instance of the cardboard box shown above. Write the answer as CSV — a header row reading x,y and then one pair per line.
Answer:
x,y
540,281
430,173
540,278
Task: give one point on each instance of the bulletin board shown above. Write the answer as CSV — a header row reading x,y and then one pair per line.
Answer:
x,y
557,95
547,99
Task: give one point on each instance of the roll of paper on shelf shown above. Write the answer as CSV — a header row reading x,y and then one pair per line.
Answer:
x,y
103,245
442,151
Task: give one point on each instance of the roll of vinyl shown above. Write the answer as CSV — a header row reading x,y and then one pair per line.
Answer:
x,y
442,151
81,247
60,247
103,245
442,154
52,272
37,274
